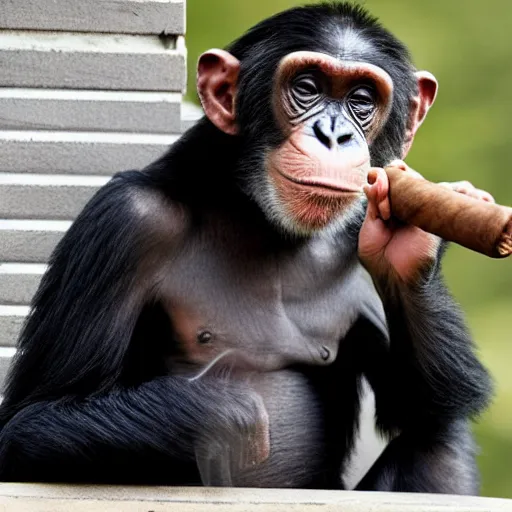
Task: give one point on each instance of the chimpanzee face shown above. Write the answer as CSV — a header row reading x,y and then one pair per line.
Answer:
x,y
330,112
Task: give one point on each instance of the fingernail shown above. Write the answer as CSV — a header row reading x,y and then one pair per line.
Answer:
x,y
398,164
372,177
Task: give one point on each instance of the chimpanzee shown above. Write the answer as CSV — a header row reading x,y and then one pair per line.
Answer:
x,y
215,317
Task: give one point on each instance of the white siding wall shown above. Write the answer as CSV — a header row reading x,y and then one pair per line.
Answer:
x,y
87,88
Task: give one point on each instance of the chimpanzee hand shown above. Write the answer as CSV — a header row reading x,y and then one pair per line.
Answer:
x,y
236,436
393,250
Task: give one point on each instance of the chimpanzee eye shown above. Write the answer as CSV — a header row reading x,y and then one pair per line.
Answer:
x,y
305,90
362,104
304,96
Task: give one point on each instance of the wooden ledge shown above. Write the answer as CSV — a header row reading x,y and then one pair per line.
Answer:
x,y
65,498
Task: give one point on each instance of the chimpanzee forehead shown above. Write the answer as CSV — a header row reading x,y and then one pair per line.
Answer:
x,y
345,42
342,30
350,44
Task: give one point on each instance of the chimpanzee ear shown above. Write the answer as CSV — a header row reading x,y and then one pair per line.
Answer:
x,y
427,92
217,77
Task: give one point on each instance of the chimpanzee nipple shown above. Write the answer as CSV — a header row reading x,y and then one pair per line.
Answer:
x,y
325,353
204,337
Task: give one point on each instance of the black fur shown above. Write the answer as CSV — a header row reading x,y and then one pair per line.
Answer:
x,y
88,397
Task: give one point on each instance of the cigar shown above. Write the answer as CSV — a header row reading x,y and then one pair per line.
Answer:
x,y
472,223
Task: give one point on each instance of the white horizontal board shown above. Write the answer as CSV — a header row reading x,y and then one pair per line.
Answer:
x,y
92,61
36,196
190,114
119,16
33,497
30,241
12,319
79,110
79,152
19,282
5,362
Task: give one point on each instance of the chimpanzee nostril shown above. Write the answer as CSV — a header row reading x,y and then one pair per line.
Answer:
x,y
321,136
329,135
344,138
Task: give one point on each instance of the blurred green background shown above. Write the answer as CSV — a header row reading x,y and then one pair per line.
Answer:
x,y
468,46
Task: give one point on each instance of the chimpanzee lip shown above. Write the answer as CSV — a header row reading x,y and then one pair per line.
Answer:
x,y
330,184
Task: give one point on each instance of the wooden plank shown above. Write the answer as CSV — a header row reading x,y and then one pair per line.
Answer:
x,y
11,322
6,354
19,282
190,115
117,16
88,498
78,110
37,196
92,61
79,152
30,241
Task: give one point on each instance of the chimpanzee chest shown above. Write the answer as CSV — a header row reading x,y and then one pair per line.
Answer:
x,y
273,308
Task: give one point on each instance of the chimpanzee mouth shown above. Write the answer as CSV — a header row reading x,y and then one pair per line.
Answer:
x,y
330,185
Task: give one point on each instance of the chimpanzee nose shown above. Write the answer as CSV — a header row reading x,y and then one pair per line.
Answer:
x,y
330,133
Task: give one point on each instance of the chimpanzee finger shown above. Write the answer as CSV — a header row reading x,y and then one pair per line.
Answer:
x,y
400,164
372,212
468,189
378,193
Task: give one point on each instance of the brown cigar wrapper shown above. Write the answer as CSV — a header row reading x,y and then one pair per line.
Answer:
x,y
477,225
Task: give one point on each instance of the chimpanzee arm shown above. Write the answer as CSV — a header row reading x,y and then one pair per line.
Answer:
x,y
428,383
87,304
433,459
122,436
67,412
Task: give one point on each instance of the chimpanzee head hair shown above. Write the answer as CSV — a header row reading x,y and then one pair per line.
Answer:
x,y
340,29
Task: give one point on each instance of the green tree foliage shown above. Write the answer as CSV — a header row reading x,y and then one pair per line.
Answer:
x,y
467,44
